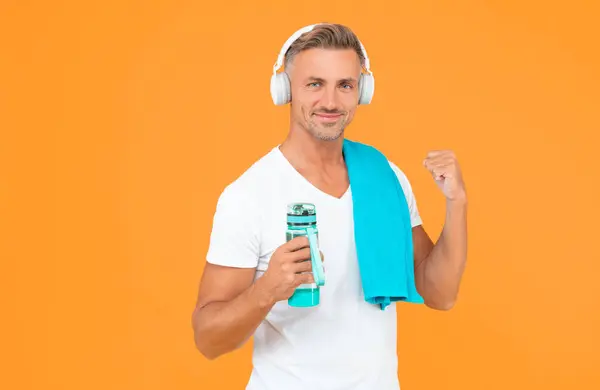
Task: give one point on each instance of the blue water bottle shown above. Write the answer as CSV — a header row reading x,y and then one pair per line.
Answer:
x,y
302,221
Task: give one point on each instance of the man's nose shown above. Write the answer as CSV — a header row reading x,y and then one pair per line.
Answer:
x,y
330,98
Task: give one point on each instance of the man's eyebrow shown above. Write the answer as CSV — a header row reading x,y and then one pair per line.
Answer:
x,y
348,80
321,80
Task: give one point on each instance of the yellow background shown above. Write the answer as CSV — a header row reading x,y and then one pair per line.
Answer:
x,y
122,122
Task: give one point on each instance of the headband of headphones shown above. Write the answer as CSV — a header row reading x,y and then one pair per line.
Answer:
x,y
297,35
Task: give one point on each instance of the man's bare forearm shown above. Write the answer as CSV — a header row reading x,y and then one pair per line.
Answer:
x,y
442,270
221,327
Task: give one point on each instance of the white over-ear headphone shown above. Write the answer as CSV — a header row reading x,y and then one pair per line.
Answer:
x,y
280,83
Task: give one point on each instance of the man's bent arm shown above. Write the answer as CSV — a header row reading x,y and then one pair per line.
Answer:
x,y
229,309
439,268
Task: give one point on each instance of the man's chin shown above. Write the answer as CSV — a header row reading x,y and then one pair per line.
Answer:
x,y
328,134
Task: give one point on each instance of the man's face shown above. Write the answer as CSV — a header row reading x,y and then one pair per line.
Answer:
x,y
324,86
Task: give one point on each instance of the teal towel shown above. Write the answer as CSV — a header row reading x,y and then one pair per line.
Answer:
x,y
382,227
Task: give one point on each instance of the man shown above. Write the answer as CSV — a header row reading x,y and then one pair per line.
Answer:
x,y
344,342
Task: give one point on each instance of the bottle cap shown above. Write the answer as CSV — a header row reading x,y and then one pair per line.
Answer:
x,y
301,214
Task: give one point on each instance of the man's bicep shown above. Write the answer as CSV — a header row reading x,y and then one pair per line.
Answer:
x,y
222,284
234,247
422,245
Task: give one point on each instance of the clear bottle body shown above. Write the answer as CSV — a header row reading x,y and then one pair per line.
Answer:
x,y
300,217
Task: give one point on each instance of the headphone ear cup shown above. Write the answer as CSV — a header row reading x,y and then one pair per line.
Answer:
x,y
280,89
366,88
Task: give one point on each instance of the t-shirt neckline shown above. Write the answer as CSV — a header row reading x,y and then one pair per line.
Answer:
x,y
295,172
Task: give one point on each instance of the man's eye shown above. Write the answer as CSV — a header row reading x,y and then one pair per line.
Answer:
x,y
315,84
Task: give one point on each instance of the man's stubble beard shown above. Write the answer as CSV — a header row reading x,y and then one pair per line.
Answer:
x,y
317,131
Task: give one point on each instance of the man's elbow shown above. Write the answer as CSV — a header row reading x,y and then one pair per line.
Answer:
x,y
204,346
209,350
200,338
441,304
208,353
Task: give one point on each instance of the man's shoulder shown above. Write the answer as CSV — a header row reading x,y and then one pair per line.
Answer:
x,y
250,183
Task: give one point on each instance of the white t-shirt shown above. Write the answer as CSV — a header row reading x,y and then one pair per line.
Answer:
x,y
343,343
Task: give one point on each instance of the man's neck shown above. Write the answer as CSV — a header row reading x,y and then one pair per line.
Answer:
x,y
305,151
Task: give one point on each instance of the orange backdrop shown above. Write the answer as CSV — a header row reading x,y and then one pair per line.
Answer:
x,y
123,121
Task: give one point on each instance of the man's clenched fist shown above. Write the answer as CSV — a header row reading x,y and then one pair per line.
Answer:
x,y
443,166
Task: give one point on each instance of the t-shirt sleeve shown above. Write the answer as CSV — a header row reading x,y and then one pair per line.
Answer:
x,y
234,239
415,217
